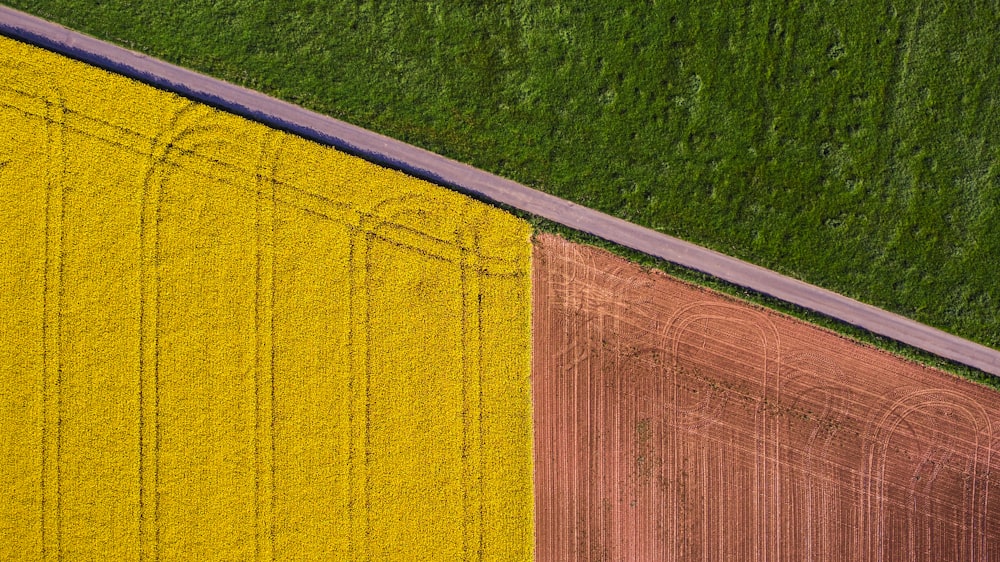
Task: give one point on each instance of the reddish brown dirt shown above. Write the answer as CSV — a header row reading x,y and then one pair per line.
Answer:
x,y
674,423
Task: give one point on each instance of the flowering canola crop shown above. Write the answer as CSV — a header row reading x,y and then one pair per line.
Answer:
x,y
222,341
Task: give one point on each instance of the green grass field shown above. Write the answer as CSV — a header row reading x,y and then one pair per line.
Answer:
x,y
854,147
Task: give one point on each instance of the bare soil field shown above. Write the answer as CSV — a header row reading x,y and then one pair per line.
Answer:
x,y
675,423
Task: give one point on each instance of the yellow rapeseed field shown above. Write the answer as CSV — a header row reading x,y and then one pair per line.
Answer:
x,y
219,341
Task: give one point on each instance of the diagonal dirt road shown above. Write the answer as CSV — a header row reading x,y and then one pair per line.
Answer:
x,y
427,165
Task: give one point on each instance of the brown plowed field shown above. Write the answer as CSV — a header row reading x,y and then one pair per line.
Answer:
x,y
674,423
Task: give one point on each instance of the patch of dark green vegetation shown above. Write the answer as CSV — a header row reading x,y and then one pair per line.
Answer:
x,y
850,145
853,332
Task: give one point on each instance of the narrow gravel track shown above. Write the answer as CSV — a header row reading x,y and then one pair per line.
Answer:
x,y
483,185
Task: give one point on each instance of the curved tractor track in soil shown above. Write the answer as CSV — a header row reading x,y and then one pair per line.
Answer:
x,y
675,423
483,185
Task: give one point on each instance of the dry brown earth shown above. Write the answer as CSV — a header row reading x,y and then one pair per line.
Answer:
x,y
674,423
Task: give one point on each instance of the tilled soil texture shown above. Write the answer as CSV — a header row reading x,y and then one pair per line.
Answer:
x,y
674,423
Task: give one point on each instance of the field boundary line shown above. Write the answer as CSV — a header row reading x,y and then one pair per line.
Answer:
x,y
482,185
